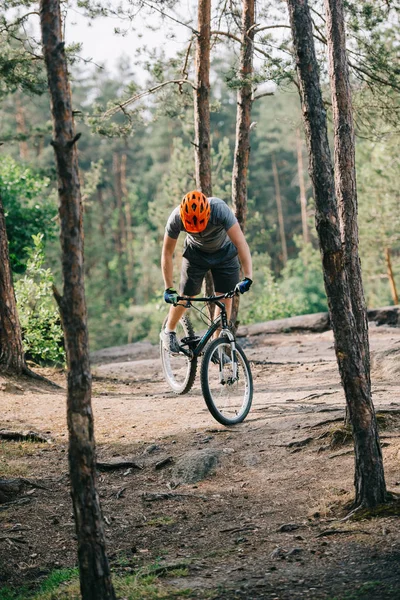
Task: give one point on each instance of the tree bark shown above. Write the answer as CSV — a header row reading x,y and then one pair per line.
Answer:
x,y
21,127
12,358
345,163
202,141
243,115
201,100
280,212
302,187
95,579
119,233
243,120
369,475
128,225
392,283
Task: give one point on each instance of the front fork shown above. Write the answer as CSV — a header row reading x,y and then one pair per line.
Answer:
x,y
228,334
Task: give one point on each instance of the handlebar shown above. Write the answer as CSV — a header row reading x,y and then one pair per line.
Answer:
x,y
208,298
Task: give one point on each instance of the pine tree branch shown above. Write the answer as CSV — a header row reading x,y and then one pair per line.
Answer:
x,y
164,14
112,111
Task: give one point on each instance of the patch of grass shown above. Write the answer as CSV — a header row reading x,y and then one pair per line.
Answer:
x,y
63,584
11,453
340,436
146,587
49,589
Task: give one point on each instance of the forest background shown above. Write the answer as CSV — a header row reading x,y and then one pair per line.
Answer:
x,y
137,164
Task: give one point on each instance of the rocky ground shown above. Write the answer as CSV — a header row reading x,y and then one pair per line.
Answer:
x,y
253,511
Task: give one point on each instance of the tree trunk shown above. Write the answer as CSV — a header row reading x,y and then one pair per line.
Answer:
x,y
202,142
128,225
201,100
12,358
280,212
345,163
21,128
103,229
94,570
392,283
302,187
119,234
243,120
350,351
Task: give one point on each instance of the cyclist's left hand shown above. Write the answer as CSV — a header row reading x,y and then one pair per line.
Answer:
x,y
171,296
243,286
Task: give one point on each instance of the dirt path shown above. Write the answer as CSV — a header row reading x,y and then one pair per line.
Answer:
x,y
263,524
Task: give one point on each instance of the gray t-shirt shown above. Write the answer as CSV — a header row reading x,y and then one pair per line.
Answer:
x,y
214,236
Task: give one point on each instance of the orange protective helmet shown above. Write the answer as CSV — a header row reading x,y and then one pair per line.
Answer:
x,y
195,211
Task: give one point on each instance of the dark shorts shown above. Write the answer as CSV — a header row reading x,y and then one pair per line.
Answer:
x,y
223,264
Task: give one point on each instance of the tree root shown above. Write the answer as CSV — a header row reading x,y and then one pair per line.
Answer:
x,y
26,436
390,508
32,375
102,466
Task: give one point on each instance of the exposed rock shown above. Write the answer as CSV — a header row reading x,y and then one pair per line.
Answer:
x,y
386,363
136,351
195,466
387,315
317,322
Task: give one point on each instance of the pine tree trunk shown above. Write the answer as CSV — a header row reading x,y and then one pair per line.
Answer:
x,y
345,163
302,187
104,232
350,350
128,225
243,120
280,211
202,101
202,141
119,233
12,359
243,115
392,283
21,127
94,570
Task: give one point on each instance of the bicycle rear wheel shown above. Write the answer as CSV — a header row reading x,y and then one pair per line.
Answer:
x,y
179,371
226,382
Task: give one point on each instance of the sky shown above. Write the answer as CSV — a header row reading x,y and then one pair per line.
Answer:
x,y
101,44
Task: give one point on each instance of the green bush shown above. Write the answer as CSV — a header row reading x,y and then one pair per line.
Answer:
x,y
29,208
38,312
300,289
265,301
302,280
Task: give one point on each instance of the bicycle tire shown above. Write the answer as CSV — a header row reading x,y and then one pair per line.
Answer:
x,y
179,371
228,402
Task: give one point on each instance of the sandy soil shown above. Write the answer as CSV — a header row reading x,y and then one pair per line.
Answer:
x,y
265,524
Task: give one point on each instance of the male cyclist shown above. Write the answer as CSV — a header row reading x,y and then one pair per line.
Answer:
x,y
214,242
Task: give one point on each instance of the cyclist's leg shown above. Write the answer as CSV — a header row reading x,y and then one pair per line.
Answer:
x,y
225,277
192,276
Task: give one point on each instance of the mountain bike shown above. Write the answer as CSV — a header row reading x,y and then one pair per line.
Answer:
x,y
225,376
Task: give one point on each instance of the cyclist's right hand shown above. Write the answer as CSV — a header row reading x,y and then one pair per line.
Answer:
x,y
171,296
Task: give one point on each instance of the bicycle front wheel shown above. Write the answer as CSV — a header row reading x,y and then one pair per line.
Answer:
x,y
226,382
179,370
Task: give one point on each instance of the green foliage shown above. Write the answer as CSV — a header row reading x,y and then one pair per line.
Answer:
x,y
38,313
265,301
300,289
379,217
302,280
29,208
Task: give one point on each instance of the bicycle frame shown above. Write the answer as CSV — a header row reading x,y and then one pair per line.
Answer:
x,y
196,346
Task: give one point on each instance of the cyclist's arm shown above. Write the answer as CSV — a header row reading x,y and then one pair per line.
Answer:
x,y
167,265
237,238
